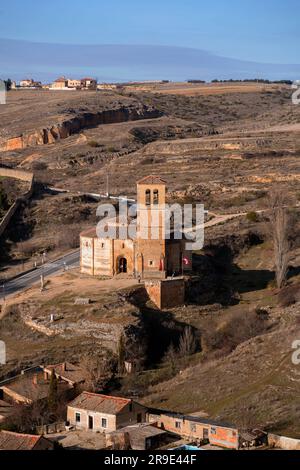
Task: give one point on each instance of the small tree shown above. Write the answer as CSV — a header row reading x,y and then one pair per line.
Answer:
x,y
279,227
53,392
187,343
121,354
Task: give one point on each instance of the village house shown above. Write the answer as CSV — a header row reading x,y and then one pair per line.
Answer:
x,y
200,430
74,83
89,84
30,387
24,442
60,83
67,372
30,83
102,413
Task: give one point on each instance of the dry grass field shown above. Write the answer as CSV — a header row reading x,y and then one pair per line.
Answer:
x,y
225,145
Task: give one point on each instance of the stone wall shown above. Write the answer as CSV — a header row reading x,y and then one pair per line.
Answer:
x,y
282,442
167,293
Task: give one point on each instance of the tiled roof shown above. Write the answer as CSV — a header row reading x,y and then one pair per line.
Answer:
x,y
68,371
99,403
14,441
151,179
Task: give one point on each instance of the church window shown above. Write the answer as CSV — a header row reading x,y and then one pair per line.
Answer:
x,y
148,197
155,197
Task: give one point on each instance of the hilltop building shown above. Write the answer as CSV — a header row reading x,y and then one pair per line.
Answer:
x,y
143,257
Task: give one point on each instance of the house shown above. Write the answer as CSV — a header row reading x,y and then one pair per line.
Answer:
x,y
30,387
15,441
103,413
74,84
60,83
6,410
89,83
196,429
67,372
30,83
141,437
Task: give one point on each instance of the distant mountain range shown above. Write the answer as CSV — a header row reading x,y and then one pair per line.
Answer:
x,y
43,61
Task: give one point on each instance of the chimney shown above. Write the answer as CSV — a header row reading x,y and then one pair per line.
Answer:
x,y
35,379
64,367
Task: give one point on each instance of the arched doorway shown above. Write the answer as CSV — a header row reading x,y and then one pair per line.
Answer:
x,y
122,265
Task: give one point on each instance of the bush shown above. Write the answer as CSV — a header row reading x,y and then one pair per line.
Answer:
x,y
93,144
252,216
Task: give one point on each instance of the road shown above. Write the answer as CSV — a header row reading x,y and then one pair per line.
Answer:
x,y
33,277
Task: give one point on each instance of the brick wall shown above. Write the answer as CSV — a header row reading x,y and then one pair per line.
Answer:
x,y
166,293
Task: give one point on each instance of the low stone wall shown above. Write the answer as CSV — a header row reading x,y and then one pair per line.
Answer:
x,y
23,176
282,442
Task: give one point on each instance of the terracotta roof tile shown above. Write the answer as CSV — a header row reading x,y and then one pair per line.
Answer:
x,y
101,403
151,179
14,441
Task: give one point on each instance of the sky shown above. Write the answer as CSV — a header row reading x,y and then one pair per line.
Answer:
x,y
265,31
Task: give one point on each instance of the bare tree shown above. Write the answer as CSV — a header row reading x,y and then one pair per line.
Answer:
x,y
98,371
279,226
187,343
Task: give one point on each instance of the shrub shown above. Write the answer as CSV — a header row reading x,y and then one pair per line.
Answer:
x,y
252,216
93,144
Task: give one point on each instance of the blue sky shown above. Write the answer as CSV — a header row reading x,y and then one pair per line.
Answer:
x,y
155,39
256,30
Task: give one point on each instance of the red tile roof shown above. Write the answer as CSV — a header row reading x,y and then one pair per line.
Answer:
x,y
14,441
101,403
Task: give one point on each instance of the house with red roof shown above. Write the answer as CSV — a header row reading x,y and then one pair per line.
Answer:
x,y
14,441
103,413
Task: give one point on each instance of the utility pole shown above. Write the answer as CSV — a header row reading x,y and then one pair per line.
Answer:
x,y
107,184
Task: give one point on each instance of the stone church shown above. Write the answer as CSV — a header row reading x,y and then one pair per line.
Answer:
x,y
141,258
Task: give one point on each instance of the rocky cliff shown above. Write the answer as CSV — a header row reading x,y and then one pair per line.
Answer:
x,y
73,125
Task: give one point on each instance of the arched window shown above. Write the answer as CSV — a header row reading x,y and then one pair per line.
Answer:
x,y
148,197
155,197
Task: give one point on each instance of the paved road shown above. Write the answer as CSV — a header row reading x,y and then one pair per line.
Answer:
x,y
27,280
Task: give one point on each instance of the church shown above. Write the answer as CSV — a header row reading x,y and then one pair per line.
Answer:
x,y
143,257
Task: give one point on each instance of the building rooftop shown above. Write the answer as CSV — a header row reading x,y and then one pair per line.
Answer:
x,y
143,430
15,441
101,403
31,386
152,179
68,372
195,419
